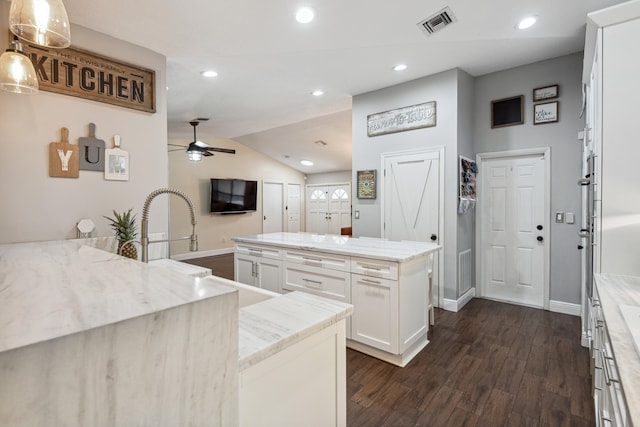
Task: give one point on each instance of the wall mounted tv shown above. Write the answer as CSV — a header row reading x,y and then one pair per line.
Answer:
x,y
233,196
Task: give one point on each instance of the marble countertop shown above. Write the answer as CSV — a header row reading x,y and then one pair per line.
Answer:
x,y
53,289
274,324
616,291
182,267
367,247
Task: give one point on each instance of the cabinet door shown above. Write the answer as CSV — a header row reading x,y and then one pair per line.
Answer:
x,y
244,270
268,275
375,312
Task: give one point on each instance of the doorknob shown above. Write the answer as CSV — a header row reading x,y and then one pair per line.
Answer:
x,y
539,238
539,227
434,237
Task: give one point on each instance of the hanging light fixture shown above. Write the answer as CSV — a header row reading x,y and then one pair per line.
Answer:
x,y
17,74
44,22
194,153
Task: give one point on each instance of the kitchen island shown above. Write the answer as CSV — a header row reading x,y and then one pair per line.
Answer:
x,y
387,282
91,338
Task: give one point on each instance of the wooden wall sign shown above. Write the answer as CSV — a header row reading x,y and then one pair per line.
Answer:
x,y
84,74
402,119
63,157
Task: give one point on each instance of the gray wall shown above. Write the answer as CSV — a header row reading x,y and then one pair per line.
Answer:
x,y
366,154
329,178
562,137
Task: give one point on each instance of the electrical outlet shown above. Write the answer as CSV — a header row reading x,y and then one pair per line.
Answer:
x,y
224,239
570,218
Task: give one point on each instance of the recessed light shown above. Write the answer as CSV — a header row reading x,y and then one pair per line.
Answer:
x,y
317,92
304,15
209,73
306,162
527,22
400,67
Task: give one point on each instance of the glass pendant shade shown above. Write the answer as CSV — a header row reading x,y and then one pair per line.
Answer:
x,y
17,74
44,22
194,156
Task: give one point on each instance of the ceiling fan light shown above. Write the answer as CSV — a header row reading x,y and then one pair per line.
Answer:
x,y
17,74
44,22
194,156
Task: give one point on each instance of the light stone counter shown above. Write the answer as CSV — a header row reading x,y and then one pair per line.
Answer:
x,y
616,291
387,250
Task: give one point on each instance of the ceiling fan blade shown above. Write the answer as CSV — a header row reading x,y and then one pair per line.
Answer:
x,y
207,154
221,150
176,145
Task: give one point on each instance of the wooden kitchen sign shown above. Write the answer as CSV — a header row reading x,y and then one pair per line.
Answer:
x,y
91,76
401,119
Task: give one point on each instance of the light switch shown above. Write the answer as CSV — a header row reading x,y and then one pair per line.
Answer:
x,y
356,214
560,217
570,218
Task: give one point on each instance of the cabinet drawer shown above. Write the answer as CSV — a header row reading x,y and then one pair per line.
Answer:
x,y
375,268
317,281
318,259
258,251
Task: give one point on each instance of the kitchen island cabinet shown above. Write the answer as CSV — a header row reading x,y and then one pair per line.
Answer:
x,y
387,282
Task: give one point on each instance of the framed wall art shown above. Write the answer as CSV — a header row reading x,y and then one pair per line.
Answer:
x,y
547,92
545,113
366,184
507,112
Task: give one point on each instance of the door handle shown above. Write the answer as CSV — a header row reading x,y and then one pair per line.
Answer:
x,y
434,237
539,227
539,238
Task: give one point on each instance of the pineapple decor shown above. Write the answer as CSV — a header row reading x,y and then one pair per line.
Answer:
x,y
124,225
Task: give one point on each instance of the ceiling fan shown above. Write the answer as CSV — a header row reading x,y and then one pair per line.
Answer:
x,y
197,149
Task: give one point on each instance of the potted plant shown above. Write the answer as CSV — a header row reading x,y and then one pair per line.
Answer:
x,y
124,226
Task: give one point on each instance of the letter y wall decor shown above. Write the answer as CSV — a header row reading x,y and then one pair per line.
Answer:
x,y
63,157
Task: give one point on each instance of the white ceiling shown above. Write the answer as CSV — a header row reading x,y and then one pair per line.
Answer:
x,y
268,63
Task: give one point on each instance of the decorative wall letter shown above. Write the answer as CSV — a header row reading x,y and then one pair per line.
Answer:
x,y
63,157
91,151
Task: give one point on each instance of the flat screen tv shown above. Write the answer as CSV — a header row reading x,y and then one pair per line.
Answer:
x,y
233,196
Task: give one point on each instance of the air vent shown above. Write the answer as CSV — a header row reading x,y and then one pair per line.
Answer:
x,y
437,22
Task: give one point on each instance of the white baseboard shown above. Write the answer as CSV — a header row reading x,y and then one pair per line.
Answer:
x,y
456,305
565,308
201,254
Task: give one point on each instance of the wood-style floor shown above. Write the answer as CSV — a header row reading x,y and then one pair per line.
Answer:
x,y
491,364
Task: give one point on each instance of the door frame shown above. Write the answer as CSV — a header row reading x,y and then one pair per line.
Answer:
x,y
546,154
440,150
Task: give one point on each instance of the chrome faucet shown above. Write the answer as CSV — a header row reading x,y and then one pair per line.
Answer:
x,y
144,230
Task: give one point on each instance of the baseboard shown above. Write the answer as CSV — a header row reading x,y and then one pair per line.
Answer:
x,y
565,308
456,305
201,254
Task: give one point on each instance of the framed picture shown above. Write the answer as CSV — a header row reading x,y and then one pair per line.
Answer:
x,y
507,112
547,92
545,113
367,184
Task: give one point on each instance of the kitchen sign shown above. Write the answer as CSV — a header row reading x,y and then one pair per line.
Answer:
x,y
402,119
84,74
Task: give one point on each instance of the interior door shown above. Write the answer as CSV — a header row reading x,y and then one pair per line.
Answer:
x,y
513,229
293,208
412,200
317,209
272,207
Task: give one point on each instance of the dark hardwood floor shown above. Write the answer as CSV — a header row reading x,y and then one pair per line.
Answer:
x,y
491,364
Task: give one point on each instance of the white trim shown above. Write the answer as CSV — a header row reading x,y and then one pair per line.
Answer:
x,y
395,359
546,153
381,184
201,254
456,305
565,308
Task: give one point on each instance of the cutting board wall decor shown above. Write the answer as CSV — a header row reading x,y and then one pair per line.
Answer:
x,y
116,165
91,151
63,157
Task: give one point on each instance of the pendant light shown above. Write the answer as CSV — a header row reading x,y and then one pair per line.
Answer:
x,y
17,74
44,22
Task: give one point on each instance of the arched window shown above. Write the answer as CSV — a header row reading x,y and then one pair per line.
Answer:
x,y
340,194
318,195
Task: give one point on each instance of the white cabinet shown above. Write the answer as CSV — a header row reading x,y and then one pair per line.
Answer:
x,y
258,266
319,281
375,312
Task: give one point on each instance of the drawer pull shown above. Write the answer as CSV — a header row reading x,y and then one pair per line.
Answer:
x,y
255,250
315,282
308,258
365,267
371,281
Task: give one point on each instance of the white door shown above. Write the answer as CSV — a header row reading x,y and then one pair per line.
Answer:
x,y
272,207
412,202
328,208
339,208
513,229
293,208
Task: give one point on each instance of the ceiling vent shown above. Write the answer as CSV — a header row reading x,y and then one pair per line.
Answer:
x,y
437,22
